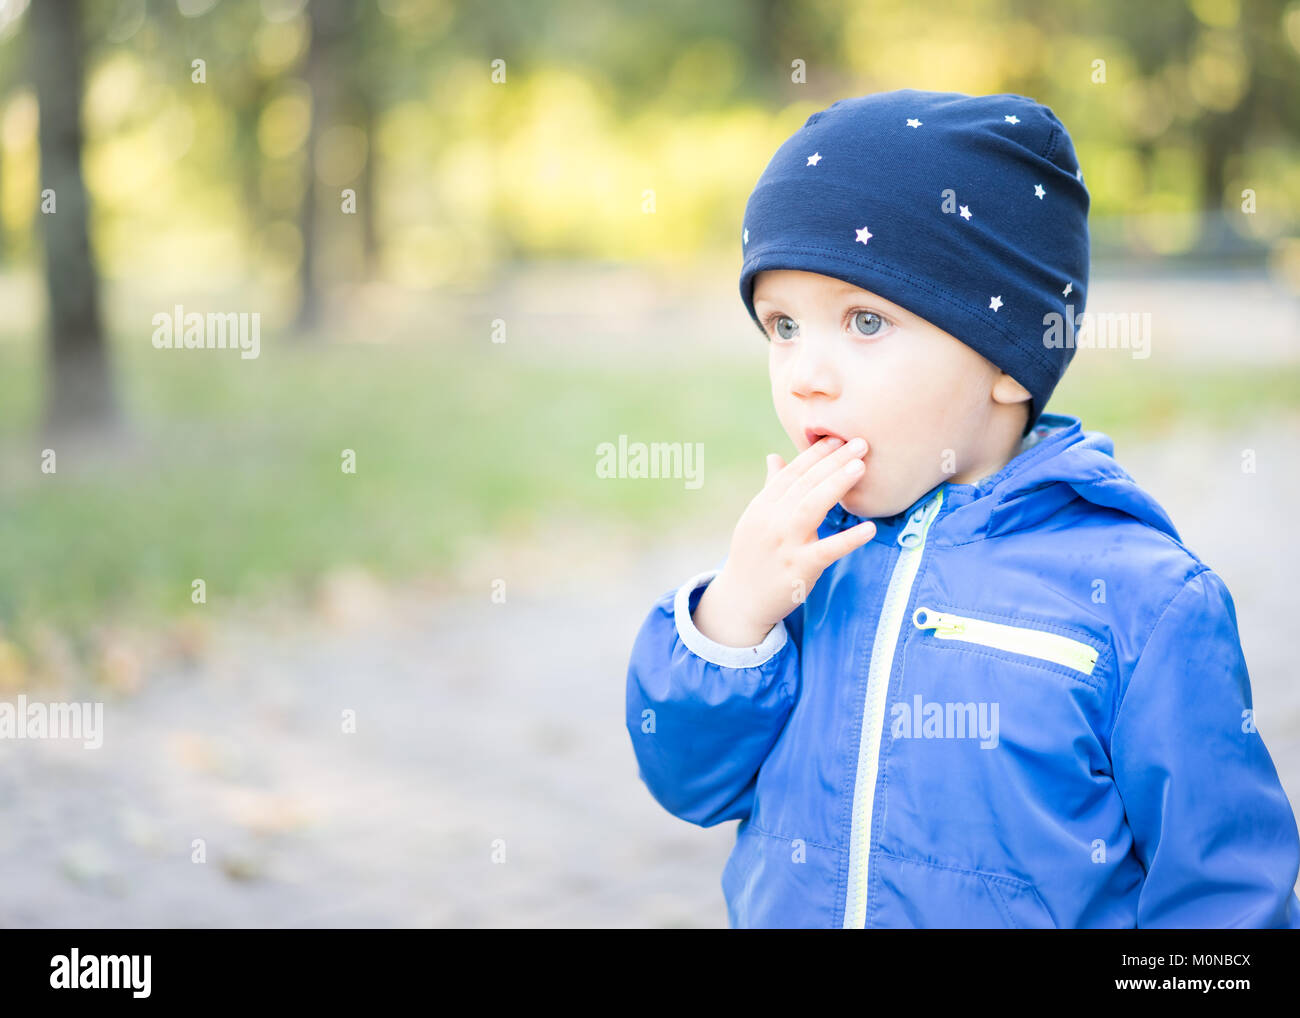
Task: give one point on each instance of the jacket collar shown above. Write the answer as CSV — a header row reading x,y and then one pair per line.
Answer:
x,y
1062,463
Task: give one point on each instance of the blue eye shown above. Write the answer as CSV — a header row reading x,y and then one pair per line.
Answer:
x,y
868,323
873,324
774,322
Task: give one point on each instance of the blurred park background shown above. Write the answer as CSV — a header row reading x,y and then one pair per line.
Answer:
x,y
483,238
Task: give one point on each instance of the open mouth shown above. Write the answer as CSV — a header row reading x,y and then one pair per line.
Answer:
x,y
815,435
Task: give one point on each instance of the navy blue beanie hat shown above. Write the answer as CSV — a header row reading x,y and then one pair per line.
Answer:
x,y
969,211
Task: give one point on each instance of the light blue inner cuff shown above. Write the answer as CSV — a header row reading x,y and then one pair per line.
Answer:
x,y
717,653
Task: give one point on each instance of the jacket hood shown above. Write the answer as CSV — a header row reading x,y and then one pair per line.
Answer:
x,y
1063,463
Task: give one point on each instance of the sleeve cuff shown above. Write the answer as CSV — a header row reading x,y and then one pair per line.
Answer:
x,y
710,650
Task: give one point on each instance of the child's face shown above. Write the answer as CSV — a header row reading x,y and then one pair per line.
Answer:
x,y
846,361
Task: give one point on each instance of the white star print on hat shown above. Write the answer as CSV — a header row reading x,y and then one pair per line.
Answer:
x,y
1039,192
1068,287
865,235
1011,118
995,303
964,212
814,159
745,238
913,122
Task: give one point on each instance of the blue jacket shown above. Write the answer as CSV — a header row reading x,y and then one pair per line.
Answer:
x,y
1023,703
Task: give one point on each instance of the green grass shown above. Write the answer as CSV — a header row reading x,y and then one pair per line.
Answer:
x,y
1134,400
235,475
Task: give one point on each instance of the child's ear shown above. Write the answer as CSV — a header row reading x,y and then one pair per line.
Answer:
x,y
1007,390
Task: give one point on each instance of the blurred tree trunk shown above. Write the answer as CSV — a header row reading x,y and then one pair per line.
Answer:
x,y
80,394
1226,134
771,53
366,187
327,22
367,48
308,293
248,98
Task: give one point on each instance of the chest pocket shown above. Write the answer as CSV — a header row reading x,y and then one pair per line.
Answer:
x,y
1035,643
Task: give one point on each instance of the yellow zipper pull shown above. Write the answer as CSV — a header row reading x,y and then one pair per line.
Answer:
x,y
937,621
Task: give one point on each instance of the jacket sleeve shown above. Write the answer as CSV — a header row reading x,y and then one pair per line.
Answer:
x,y
1211,823
703,716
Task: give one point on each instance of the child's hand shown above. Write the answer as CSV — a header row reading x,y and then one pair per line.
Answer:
x,y
776,556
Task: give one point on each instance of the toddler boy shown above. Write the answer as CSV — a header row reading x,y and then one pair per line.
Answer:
x,y
958,669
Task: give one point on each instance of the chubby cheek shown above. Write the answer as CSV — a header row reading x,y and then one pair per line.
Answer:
x,y
883,486
787,411
955,396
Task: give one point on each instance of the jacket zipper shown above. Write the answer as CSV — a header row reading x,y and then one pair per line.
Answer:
x,y
1018,639
888,629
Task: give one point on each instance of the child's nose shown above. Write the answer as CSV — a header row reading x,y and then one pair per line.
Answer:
x,y
813,372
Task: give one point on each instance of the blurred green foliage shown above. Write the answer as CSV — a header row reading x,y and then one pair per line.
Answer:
x,y
1174,106
480,136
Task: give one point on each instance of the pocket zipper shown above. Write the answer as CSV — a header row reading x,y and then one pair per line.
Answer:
x,y
1037,643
